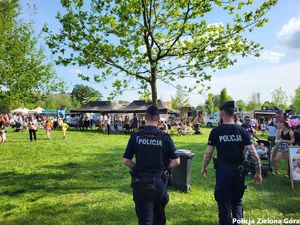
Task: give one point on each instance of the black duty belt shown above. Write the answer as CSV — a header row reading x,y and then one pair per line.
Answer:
x,y
150,174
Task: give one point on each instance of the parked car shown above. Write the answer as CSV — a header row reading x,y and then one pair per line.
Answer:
x,y
213,120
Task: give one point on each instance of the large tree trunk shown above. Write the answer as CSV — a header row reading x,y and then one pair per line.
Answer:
x,y
154,84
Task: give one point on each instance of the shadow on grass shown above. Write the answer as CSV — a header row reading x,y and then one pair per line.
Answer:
x,y
101,171
99,175
80,213
274,193
191,213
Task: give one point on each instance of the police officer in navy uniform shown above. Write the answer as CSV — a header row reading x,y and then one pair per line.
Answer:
x,y
232,142
154,153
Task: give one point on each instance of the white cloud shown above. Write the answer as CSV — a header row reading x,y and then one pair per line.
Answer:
x,y
217,24
289,35
261,79
271,56
76,71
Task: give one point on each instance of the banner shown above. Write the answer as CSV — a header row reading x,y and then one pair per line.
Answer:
x,y
295,162
294,158
59,113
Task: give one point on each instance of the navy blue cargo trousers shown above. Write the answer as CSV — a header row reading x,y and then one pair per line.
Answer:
x,y
229,191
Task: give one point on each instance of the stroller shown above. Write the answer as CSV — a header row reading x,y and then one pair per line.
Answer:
x,y
265,160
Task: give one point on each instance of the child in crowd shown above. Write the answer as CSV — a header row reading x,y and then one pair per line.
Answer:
x,y
181,128
2,136
262,150
48,128
64,127
263,128
2,130
297,135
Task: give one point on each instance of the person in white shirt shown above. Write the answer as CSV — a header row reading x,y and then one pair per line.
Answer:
x,y
33,126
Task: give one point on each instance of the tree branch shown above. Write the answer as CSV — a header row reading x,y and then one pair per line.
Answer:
x,y
221,38
108,60
146,31
181,31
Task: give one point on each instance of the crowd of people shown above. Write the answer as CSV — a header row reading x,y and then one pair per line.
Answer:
x,y
129,123
281,136
31,123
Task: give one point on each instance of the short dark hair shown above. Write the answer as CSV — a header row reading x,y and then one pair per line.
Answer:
x,y
228,111
286,124
149,117
247,118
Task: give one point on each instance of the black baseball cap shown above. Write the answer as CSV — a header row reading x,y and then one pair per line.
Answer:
x,y
229,104
153,110
247,118
280,111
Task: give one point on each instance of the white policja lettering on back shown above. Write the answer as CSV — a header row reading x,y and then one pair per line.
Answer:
x,y
230,138
145,141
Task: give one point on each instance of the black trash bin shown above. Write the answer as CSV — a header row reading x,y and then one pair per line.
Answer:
x,y
181,175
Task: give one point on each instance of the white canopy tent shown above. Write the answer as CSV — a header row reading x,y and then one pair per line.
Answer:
x,y
37,110
20,110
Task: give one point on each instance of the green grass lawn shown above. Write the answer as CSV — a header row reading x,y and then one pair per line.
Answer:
x,y
81,180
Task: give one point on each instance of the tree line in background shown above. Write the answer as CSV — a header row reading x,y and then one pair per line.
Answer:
x,y
214,101
80,95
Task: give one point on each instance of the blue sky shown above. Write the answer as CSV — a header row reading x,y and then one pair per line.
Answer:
x,y
278,66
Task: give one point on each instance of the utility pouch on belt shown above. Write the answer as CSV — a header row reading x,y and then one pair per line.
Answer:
x,y
215,162
165,176
144,189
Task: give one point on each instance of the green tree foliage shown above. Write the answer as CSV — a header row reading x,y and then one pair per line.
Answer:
x,y
279,97
268,104
201,108
254,102
49,101
180,100
56,101
216,101
145,95
210,103
154,40
296,101
84,94
241,105
224,97
24,72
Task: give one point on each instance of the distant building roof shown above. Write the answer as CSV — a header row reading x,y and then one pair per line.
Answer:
x,y
119,104
97,105
137,106
264,112
142,105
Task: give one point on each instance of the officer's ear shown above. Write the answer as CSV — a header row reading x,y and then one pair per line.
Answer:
x,y
221,114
